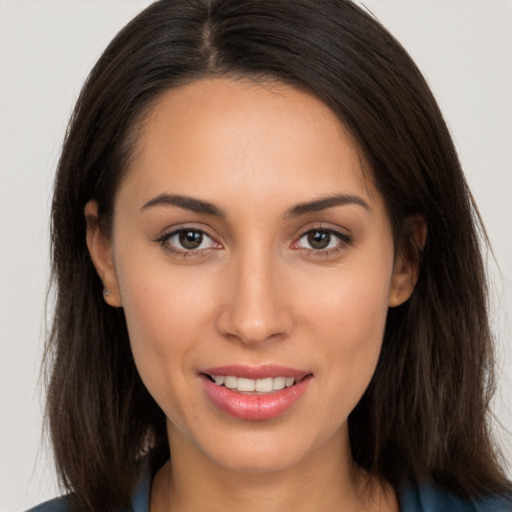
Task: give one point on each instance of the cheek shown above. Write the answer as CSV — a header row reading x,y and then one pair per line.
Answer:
x,y
352,301
165,311
162,301
363,306
349,323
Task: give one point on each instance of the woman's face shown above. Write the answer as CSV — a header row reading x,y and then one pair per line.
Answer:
x,y
250,249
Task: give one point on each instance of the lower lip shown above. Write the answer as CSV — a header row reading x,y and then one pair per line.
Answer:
x,y
254,407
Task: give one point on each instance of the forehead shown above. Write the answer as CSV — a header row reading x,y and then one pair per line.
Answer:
x,y
223,136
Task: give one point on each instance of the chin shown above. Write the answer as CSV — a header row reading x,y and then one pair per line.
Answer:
x,y
257,460
260,449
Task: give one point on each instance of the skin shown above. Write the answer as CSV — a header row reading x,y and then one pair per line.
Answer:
x,y
256,291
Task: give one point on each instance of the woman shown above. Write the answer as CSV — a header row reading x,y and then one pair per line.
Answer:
x,y
270,290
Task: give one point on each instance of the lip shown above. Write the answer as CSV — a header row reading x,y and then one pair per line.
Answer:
x,y
255,407
257,372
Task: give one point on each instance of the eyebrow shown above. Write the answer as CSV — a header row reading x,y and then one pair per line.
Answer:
x,y
186,202
200,206
324,203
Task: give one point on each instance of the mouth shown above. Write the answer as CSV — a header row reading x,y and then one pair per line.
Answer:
x,y
253,386
254,393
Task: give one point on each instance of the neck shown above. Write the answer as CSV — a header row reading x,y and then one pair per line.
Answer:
x,y
326,480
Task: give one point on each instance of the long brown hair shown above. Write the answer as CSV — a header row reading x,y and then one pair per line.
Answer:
x,y
425,414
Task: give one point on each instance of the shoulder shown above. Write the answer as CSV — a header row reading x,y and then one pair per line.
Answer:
x,y
62,504
55,505
427,498
140,500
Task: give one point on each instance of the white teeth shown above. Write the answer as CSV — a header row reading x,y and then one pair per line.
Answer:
x,y
249,385
230,382
245,384
279,383
264,385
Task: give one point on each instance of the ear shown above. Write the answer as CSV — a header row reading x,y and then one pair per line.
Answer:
x,y
100,250
407,260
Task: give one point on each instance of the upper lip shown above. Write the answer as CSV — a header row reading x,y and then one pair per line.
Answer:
x,y
256,372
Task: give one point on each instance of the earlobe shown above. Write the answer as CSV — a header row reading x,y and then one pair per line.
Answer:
x,y
403,281
407,261
100,250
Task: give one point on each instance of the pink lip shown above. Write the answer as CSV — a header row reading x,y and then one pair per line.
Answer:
x,y
256,372
255,407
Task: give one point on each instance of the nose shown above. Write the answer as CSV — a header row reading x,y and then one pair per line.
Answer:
x,y
256,307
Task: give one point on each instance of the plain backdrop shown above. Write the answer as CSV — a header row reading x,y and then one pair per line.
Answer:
x,y
47,47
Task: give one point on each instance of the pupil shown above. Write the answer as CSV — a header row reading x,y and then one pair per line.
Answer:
x,y
190,239
319,239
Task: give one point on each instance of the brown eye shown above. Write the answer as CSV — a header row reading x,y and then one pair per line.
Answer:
x,y
319,239
322,240
190,239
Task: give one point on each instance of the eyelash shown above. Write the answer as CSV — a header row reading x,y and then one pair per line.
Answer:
x,y
343,242
164,241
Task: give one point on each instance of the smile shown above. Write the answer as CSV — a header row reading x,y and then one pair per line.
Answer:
x,y
244,385
250,393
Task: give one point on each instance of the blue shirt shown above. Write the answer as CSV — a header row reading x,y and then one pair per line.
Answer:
x,y
424,498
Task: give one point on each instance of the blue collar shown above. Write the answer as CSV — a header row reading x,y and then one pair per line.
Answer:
x,y
424,498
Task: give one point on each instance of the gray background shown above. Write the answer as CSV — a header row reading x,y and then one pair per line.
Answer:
x,y
464,47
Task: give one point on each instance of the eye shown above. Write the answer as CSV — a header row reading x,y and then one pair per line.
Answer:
x,y
322,240
186,240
